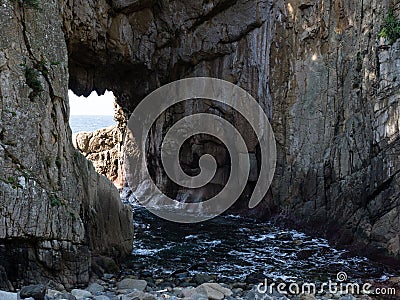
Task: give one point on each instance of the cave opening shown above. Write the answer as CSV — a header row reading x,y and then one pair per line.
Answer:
x,y
97,125
88,114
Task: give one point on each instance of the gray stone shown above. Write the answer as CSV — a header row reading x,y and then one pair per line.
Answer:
x,y
37,292
95,288
132,284
138,295
213,291
64,296
81,294
108,276
8,296
101,297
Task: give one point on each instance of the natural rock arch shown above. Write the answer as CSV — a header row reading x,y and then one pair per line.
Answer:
x,y
315,66
308,64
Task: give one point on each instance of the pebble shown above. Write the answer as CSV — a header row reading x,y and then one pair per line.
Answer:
x,y
153,289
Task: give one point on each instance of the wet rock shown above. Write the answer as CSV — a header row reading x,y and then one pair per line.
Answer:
x,y
37,292
180,274
201,278
166,285
304,254
132,284
239,285
52,285
146,273
254,277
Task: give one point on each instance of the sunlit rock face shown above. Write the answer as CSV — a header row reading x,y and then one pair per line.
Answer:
x,y
56,212
336,118
104,148
323,76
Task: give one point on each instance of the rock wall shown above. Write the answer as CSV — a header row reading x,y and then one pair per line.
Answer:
x,y
146,46
314,68
336,118
56,212
319,69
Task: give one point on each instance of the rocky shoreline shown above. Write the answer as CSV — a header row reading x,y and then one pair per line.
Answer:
x,y
321,70
199,287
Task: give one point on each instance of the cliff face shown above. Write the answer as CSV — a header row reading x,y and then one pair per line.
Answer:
x,y
336,116
320,71
56,211
147,45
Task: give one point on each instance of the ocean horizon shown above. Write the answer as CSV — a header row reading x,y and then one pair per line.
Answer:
x,y
88,123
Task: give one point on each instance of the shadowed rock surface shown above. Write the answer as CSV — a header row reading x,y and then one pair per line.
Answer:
x,y
56,211
325,78
319,70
